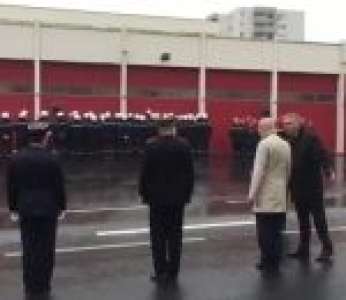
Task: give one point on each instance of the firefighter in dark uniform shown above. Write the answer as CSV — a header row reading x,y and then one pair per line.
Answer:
x,y
203,133
59,129
36,198
309,163
6,135
75,134
21,130
166,185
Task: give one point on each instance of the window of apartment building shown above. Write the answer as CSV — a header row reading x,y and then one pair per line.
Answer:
x,y
263,35
262,14
263,24
279,16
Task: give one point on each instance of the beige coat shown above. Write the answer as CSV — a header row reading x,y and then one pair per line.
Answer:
x,y
271,172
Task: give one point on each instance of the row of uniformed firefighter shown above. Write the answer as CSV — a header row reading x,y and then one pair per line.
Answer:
x,y
106,133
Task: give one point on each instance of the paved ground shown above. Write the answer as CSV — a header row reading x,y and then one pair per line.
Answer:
x,y
103,248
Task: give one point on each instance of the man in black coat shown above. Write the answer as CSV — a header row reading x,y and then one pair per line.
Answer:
x,y
36,197
310,163
166,185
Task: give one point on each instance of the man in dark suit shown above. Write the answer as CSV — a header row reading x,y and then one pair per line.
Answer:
x,y
36,197
309,163
166,185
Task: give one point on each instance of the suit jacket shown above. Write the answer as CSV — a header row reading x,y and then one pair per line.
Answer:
x,y
35,184
309,161
167,174
271,173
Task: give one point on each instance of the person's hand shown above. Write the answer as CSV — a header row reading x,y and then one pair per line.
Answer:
x,y
14,217
62,215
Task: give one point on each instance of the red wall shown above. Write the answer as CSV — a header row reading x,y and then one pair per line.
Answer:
x,y
14,103
162,77
80,75
221,111
17,73
80,103
317,83
321,114
147,76
176,106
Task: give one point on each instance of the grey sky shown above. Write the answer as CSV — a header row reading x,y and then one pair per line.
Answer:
x,y
325,20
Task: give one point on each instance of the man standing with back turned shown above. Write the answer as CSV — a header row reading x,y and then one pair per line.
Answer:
x,y
166,185
36,197
268,192
309,163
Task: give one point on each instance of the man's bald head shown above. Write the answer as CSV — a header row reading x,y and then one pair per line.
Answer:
x,y
266,126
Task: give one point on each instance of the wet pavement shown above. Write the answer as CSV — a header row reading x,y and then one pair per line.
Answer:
x,y
103,251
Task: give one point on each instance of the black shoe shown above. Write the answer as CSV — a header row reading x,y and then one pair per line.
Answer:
x,y
260,266
41,295
172,278
325,256
159,279
304,256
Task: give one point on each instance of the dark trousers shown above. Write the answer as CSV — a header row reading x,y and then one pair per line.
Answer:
x,y
38,242
166,238
269,228
316,209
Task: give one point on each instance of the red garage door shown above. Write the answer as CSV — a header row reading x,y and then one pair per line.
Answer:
x,y
16,86
314,97
162,89
83,87
234,93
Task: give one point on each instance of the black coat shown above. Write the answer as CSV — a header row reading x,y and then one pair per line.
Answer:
x,y
35,184
309,161
167,174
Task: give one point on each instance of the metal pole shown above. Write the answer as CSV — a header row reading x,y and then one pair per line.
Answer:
x,y
340,115
37,70
123,73
202,77
274,78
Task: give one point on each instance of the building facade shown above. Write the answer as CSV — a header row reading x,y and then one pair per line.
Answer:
x,y
48,62
261,23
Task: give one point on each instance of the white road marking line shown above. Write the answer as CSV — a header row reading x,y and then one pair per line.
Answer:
x,y
237,202
105,209
333,229
186,227
105,247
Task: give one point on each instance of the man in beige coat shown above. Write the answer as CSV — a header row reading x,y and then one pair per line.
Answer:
x,y
268,193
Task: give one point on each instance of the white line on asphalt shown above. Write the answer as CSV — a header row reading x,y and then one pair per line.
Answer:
x,y
105,247
104,209
237,202
186,227
333,229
